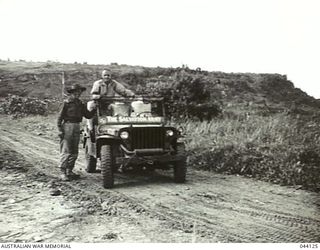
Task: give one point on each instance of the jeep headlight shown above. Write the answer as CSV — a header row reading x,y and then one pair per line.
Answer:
x,y
105,129
169,132
124,135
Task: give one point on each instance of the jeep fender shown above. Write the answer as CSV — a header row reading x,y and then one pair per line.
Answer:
x,y
181,146
105,139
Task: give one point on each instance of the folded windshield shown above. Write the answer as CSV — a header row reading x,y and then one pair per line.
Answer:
x,y
136,108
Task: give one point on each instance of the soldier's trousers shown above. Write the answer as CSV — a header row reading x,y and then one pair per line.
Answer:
x,y
69,146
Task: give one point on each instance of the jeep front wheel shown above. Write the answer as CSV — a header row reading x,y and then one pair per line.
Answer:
x,y
180,170
107,166
180,167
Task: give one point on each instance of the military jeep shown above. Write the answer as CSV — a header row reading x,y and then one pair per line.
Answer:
x,y
132,134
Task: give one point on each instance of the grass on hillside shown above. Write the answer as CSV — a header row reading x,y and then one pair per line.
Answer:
x,y
279,148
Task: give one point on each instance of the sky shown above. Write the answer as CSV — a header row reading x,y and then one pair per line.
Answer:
x,y
258,36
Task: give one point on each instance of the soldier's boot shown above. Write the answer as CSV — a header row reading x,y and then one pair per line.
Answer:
x,y
64,176
71,175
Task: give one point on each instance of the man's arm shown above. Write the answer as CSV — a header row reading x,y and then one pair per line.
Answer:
x,y
61,117
95,91
86,113
95,88
120,89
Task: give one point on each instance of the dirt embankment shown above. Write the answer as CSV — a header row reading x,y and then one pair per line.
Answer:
x,y
143,207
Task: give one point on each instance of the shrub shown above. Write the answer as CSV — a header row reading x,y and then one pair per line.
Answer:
x,y
185,96
277,148
18,106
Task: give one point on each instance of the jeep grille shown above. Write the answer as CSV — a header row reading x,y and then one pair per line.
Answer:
x,y
147,137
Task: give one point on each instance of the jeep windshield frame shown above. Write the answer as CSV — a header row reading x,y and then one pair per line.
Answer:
x,y
156,104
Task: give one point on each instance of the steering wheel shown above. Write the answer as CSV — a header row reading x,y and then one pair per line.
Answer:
x,y
145,112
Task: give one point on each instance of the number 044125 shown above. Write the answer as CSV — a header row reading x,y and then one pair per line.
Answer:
x,y
309,245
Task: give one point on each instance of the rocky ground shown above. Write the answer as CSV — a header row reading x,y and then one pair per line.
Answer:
x,y
37,207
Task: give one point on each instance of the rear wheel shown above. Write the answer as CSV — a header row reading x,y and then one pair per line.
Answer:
x,y
91,161
107,166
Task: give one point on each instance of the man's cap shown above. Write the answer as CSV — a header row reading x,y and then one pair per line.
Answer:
x,y
75,87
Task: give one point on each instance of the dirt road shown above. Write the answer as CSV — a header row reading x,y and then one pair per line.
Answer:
x,y
142,207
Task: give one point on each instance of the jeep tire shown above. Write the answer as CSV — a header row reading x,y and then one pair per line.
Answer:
x,y
180,170
91,161
107,166
180,167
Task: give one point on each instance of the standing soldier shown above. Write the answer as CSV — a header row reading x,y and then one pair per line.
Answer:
x,y
68,123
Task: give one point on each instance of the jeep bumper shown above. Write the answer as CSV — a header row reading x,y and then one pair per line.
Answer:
x,y
150,160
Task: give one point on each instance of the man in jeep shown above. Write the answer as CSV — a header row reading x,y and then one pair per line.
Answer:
x,y
109,87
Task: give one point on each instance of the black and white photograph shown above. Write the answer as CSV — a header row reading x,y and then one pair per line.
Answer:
x,y
148,121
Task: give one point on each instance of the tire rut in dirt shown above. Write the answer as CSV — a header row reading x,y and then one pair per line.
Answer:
x,y
273,227
261,227
23,134
290,229
31,152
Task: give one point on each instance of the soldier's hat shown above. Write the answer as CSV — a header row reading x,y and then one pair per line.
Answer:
x,y
75,87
